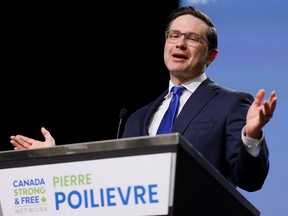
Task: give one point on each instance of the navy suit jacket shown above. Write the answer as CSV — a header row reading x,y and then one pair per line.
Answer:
x,y
212,120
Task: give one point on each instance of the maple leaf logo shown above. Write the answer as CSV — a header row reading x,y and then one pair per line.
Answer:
x,y
43,199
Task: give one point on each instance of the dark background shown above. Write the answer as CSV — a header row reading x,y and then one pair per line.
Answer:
x,y
72,68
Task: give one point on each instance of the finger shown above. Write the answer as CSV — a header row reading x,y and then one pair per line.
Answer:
x,y
24,139
21,142
270,105
272,94
259,97
267,110
272,101
16,145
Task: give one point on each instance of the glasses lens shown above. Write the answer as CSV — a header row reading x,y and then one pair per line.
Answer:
x,y
191,38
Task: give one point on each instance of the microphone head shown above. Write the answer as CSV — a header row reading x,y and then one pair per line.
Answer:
x,y
123,113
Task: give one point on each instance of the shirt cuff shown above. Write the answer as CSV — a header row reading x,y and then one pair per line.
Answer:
x,y
253,146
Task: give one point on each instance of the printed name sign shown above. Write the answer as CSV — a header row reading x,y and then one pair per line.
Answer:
x,y
123,186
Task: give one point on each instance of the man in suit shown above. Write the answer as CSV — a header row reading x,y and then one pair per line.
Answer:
x,y
224,125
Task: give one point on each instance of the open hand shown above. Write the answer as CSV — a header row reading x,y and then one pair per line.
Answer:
x,y
260,114
21,142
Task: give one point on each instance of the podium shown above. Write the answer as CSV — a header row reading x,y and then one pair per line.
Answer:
x,y
148,175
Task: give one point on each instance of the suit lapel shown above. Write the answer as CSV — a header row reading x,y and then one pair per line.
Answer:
x,y
196,102
151,108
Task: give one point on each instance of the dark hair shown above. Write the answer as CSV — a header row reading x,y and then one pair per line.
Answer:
x,y
211,32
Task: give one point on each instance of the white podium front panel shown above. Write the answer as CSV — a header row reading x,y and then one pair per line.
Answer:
x,y
122,186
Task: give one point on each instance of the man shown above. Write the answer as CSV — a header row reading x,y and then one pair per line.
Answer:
x,y
224,125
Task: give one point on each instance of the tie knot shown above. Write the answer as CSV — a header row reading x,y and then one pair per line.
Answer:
x,y
177,89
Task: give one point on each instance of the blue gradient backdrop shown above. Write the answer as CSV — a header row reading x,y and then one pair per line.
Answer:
x,y
253,47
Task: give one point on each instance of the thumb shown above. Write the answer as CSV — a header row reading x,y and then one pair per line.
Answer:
x,y
48,136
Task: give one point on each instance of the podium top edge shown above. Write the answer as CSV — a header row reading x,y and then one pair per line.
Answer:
x,y
93,146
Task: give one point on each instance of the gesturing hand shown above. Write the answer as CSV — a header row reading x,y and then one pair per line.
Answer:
x,y
260,114
21,142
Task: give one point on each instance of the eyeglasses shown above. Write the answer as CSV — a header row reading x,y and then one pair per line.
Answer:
x,y
172,36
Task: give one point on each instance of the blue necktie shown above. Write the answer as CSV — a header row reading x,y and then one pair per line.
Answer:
x,y
171,113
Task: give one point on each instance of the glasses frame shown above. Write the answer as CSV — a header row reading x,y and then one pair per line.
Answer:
x,y
200,38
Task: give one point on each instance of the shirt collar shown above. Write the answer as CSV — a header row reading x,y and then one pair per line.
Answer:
x,y
191,85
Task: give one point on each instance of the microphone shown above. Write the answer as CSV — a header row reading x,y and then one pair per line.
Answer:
x,y
122,115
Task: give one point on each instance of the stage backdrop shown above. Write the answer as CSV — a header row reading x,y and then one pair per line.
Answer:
x,y
71,69
253,44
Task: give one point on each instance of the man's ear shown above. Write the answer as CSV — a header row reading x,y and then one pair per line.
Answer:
x,y
211,56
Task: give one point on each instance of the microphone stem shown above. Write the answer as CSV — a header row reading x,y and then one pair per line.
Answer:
x,y
119,126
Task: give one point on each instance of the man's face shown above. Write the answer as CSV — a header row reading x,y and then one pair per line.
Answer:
x,y
186,57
